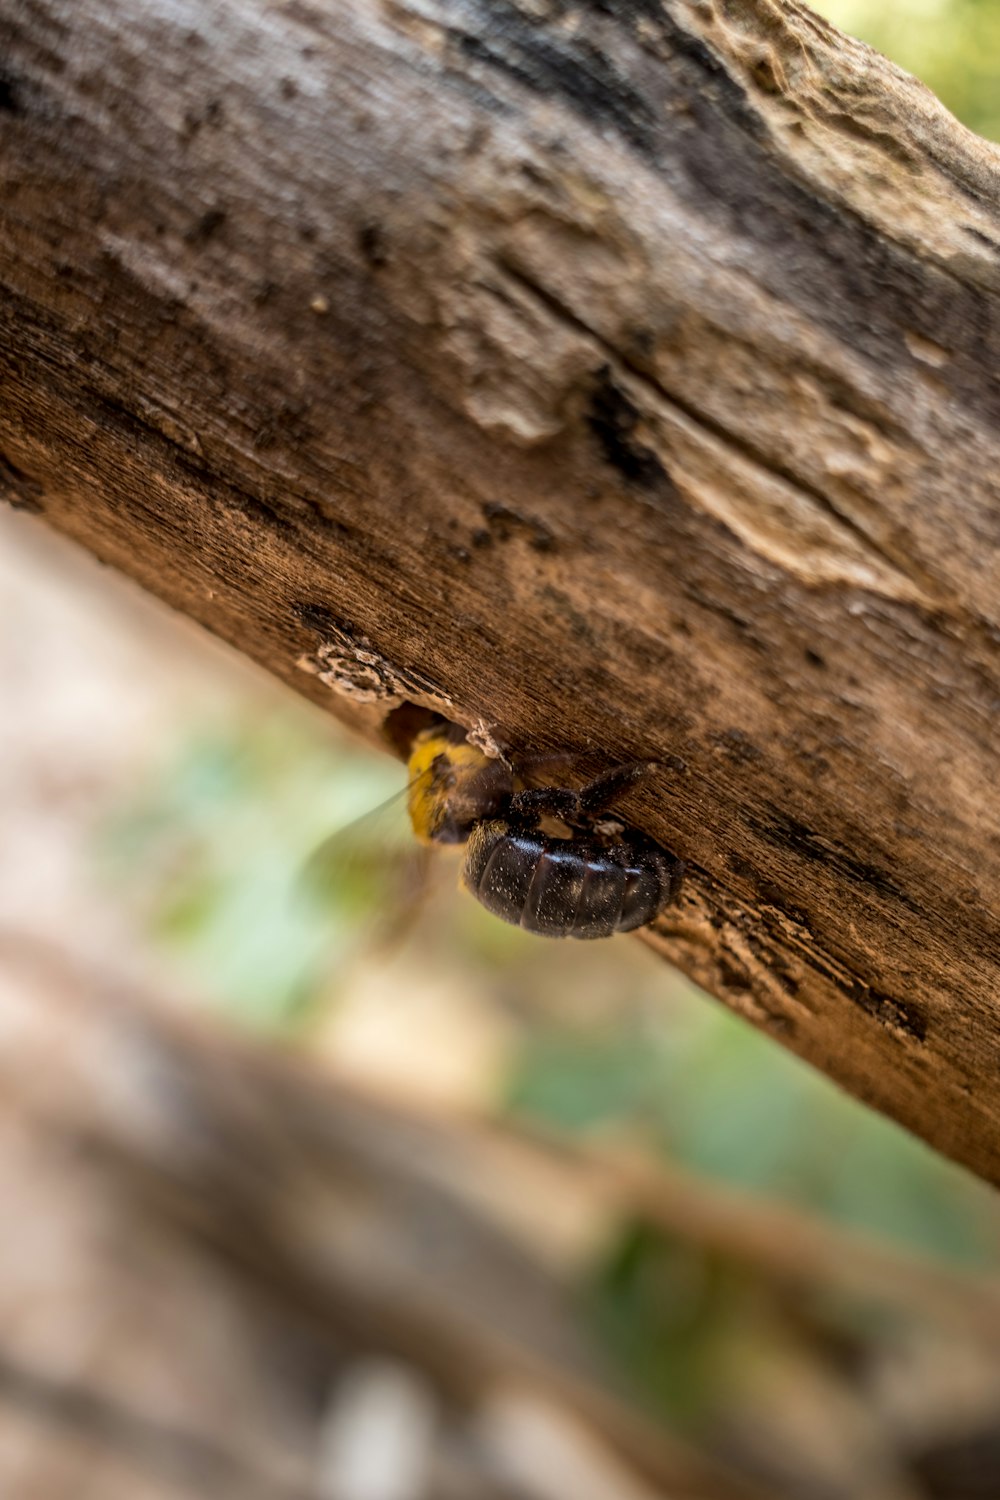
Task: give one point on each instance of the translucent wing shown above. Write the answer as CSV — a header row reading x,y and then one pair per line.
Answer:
x,y
547,768
369,877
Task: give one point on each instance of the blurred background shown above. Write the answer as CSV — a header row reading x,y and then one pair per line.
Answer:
x,y
354,1193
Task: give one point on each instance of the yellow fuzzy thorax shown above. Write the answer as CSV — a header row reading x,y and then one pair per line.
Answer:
x,y
438,767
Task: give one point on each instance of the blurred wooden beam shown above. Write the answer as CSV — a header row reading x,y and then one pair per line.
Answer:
x,y
365,1226
612,376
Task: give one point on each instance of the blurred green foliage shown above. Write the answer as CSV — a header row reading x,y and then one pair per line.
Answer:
x,y
669,1311
699,1333
213,854
951,45
719,1098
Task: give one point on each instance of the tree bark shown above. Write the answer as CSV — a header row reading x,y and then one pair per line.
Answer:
x,y
621,376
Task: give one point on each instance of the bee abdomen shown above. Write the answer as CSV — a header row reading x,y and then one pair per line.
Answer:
x,y
576,887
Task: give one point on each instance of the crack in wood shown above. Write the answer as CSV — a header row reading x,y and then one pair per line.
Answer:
x,y
912,583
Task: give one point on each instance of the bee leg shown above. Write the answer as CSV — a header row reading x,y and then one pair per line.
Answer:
x,y
543,802
594,798
601,793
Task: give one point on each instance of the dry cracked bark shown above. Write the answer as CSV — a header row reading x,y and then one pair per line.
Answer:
x,y
612,375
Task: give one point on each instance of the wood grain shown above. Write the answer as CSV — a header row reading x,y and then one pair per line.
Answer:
x,y
616,376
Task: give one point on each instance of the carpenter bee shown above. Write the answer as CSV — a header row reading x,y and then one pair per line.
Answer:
x,y
598,878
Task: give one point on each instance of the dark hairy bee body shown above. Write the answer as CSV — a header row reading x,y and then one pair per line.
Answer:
x,y
579,887
603,878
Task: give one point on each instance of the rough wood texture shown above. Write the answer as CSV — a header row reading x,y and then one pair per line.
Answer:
x,y
620,375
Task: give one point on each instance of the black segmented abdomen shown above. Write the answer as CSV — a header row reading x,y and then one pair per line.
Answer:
x,y
578,887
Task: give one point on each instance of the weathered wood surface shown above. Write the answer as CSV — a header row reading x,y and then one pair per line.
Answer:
x,y
613,375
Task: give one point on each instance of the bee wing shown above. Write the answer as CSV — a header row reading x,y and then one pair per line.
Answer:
x,y
371,878
546,768
354,864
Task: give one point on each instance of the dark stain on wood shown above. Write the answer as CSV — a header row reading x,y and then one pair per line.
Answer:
x,y
10,103
787,832
207,226
582,75
737,746
506,522
902,1016
613,419
18,489
372,244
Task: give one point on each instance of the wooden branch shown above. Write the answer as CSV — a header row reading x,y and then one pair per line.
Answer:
x,y
622,376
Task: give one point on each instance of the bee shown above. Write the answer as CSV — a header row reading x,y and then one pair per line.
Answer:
x,y
603,877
